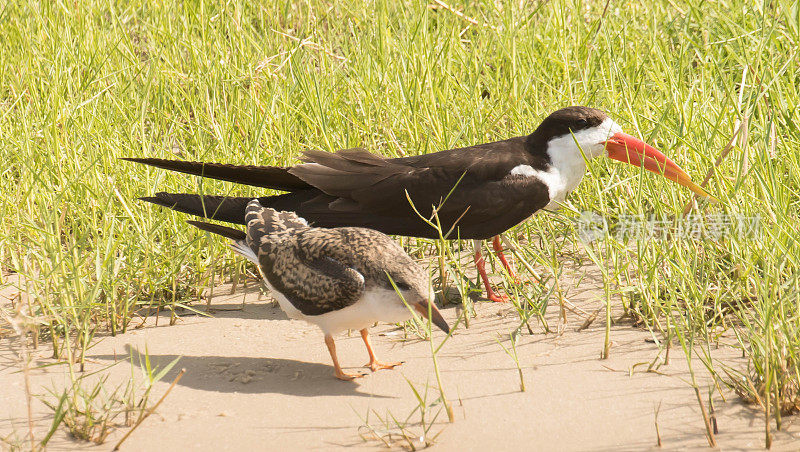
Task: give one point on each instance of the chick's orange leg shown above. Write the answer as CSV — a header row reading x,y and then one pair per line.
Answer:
x,y
337,369
373,363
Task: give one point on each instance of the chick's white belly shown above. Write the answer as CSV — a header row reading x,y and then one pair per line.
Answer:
x,y
375,306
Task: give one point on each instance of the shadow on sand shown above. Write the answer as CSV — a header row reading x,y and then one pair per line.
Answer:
x,y
248,375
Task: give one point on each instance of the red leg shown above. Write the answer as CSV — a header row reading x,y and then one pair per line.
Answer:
x,y
498,250
480,262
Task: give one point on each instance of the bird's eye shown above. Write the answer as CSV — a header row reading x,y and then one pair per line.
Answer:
x,y
402,285
581,123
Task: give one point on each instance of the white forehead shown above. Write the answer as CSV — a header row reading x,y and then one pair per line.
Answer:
x,y
611,126
591,140
567,164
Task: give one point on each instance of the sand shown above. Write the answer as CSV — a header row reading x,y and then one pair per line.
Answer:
x,y
256,380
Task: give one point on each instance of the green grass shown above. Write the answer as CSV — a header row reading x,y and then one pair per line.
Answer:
x,y
83,83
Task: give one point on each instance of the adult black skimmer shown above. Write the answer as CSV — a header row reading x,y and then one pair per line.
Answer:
x,y
338,279
477,192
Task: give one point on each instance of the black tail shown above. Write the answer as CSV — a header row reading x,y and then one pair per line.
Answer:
x,y
224,231
274,177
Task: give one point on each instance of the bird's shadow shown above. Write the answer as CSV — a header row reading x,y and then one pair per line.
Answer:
x,y
247,375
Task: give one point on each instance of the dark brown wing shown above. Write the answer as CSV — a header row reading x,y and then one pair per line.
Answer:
x,y
224,231
356,188
258,176
313,281
215,207
470,187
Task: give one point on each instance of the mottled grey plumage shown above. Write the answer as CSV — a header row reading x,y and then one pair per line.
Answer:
x,y
321,270
339,278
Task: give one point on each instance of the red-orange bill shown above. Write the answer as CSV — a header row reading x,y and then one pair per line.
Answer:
x,y
629,149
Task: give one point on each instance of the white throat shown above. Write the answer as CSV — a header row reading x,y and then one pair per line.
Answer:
x,y
568,155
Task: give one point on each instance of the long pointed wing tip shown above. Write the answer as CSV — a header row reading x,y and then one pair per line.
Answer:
x,y
155,200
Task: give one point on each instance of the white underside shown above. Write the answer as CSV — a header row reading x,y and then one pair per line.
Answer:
x,y
559,182
568,156
374,306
